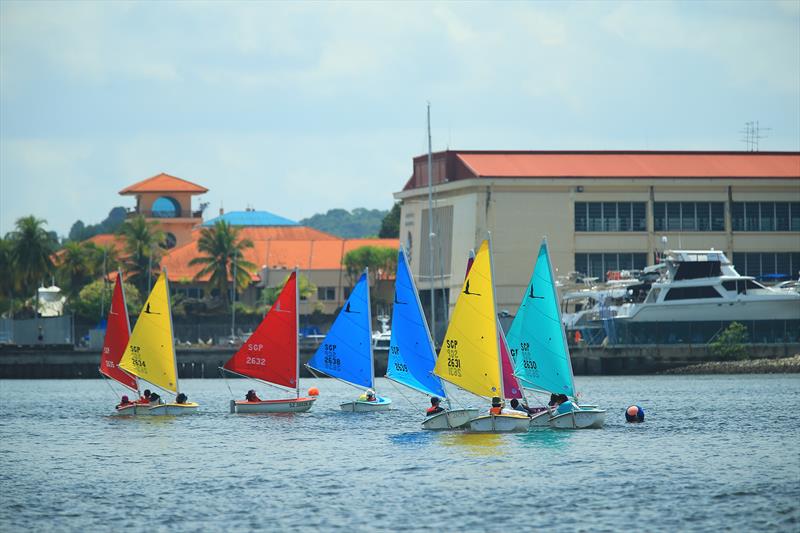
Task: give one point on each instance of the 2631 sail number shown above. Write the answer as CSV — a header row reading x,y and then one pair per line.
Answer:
x,y
453,361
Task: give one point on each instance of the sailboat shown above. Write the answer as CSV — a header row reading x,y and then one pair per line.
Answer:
x,y
470,356
539,348
150,354
346,351
412,355
271,355
118,331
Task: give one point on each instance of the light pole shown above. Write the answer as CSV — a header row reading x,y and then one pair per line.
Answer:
x,y
233,301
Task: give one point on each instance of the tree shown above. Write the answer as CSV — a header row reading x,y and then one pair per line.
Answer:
x,y
304,287
380,260
390,226
359,223
77,266
98,293
221,246
31,251
6,280
143,242
111,224
730,344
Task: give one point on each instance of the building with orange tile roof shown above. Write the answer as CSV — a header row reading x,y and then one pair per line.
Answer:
x,y
601,210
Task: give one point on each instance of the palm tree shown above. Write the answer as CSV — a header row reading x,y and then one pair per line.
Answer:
x,y
143,241
31,252
7,280
77,265
221,246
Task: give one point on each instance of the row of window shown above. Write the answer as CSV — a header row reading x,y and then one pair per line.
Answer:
x,y
610,216
687,216
765,216
767,265
597,265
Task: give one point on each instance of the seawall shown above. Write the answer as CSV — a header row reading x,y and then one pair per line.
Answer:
x,y
67,363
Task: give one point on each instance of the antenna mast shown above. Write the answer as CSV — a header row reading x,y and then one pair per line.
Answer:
x,y
431,234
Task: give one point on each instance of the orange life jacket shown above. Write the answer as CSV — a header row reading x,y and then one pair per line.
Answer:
x,y
496,410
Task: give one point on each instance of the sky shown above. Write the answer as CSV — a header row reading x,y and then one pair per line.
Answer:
x,y
300,107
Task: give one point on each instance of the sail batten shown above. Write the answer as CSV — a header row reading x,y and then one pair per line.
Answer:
x,y
346,351
411,352
536,337
270,353
470,351
150,354
118,332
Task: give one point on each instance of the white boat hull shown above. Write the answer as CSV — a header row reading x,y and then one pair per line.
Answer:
x,y
133,409
583,419
362,406
773,307
540,420
173,409
288,405
500,424
450,419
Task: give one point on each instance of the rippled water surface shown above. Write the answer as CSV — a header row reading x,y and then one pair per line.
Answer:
x,y
717,452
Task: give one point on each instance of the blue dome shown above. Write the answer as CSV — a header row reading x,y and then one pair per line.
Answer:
x,y
252,218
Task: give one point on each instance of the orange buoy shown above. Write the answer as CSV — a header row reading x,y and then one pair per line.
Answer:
x,y
313,391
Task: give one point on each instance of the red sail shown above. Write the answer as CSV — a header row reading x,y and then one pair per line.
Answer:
x,y
270,354
117,334
511,388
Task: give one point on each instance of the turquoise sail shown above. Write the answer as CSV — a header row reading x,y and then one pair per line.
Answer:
x,y
346,352
411,353
536,338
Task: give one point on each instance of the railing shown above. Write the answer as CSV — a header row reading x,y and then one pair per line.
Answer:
x,y
163,214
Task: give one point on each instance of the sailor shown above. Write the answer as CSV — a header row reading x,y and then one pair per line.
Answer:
x,y
565,405
497,406
435,407
181,398
124,402
145,399
155,398
371,396
521,407
251,396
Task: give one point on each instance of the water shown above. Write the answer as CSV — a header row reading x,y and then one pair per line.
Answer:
x,y
714,453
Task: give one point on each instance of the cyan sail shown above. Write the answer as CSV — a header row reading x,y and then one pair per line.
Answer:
x,y
346,352
536,338
411,353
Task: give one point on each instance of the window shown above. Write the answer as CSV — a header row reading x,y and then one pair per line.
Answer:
x,y
610,216
692,293
689,216
765,216
596,265
770,266
166,207
326,293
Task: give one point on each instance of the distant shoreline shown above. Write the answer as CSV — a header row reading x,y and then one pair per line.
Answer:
x,y
784,365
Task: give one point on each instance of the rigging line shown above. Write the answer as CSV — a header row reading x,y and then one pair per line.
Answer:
x,y
108,382
396,386
224,379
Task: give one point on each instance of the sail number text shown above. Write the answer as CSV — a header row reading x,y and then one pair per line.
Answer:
x,y
252,347
256,361
136,357
453,361
400,367
331,360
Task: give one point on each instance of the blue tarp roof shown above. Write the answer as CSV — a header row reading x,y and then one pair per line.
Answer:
x,y
252,218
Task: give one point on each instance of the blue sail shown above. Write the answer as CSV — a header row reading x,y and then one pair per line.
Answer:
x,y
536,338
411,353
346,352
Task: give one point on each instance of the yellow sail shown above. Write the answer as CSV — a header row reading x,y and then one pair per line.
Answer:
x,y
150,353
470,355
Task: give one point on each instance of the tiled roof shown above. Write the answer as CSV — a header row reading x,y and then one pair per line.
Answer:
x,y
276,253
459,165
251,218
163,183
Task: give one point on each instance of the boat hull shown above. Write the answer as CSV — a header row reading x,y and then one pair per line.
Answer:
x,y
288,405
540,420
450,419
360,406
173,409
133,409
500,424
583,419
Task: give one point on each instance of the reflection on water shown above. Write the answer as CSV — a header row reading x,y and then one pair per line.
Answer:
x,y
476,443
546,438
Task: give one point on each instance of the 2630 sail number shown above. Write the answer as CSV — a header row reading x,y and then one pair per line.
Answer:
x,y
330,360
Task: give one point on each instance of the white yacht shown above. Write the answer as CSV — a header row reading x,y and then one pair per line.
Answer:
x,y
702,285
383,338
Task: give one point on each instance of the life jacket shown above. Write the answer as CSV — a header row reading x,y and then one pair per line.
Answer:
x,y
434,409
496,410
142,400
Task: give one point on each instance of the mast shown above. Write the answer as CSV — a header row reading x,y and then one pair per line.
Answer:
x,y
430,227
172,333
297,328
494,310
369,328
558,314
124,310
